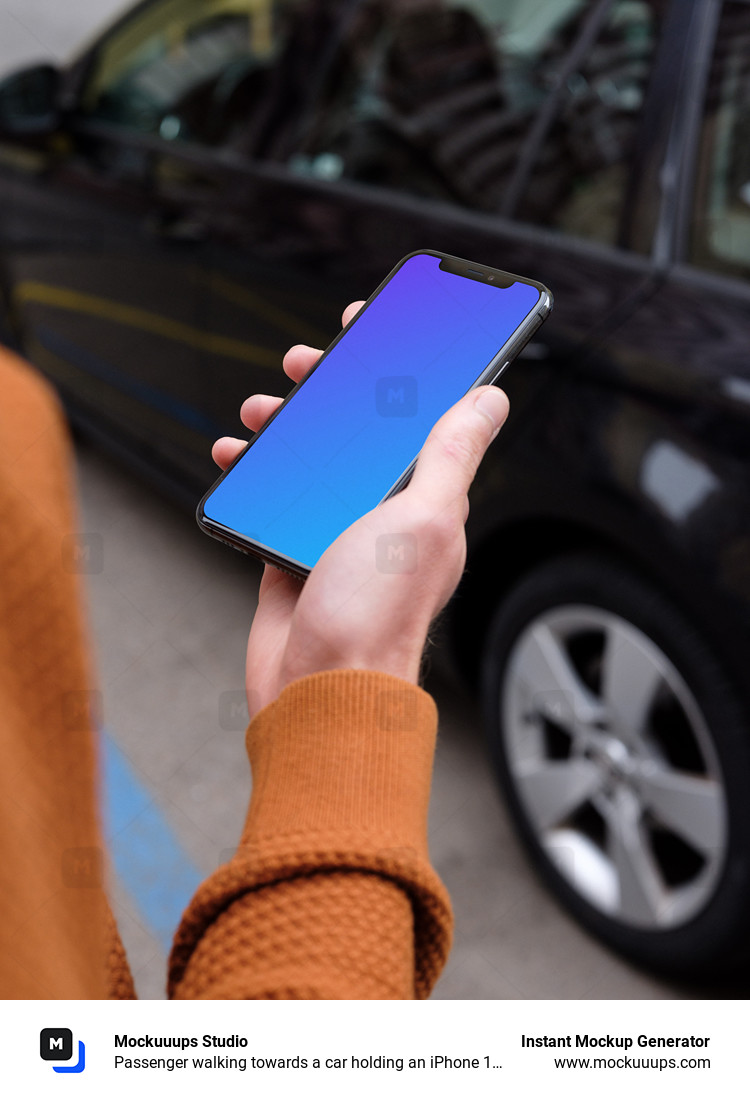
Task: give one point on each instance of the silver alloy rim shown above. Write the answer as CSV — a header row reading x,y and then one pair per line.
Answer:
x,y
614,766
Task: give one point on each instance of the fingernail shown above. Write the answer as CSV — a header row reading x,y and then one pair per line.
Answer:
x,y
493,404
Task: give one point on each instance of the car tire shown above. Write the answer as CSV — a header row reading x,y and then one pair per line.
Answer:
x,y
623,751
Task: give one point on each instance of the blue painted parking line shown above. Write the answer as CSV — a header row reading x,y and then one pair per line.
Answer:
x,y
147,856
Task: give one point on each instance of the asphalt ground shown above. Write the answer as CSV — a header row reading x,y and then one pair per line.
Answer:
x,y
170,610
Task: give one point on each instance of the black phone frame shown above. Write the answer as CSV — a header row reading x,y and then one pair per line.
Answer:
x,y
505,356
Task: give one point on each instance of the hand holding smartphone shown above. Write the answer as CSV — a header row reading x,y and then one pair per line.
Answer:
x,y
347,437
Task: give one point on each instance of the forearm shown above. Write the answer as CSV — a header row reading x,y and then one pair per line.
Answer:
x,y
331,893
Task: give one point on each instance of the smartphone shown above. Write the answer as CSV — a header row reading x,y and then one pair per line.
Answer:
x,y
347,437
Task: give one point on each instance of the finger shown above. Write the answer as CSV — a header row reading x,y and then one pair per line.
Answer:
x,y
456,445
256,410
226,449
351,311
299,360
284,586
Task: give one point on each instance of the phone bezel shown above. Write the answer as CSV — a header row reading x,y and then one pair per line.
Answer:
x,y
505,356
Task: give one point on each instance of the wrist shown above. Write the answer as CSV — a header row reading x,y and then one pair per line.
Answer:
x,y
402,659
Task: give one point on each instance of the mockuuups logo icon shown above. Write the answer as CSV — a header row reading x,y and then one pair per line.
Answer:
x,y
56,1045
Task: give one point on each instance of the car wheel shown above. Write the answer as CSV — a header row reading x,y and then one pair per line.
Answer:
x,y
623,752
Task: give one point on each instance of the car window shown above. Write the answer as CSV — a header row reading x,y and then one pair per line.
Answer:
x,y
579,181
188,70
720,237
438,98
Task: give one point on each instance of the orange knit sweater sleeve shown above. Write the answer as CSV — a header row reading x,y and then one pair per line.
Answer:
x,y
331,893
55,930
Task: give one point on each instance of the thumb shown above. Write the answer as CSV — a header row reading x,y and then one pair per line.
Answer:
x,y
456,445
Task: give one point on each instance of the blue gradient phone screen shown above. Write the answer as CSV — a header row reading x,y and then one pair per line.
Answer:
x,y
335,451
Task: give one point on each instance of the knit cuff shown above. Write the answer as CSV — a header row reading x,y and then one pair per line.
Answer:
x,y
343,752
342,764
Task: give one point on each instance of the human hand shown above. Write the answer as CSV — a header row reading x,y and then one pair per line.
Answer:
x,y
354,610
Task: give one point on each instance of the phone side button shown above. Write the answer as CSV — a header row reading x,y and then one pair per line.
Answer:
x,y
498,372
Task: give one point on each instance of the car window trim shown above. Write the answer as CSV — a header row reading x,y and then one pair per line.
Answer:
x,y
228,160
671,242
641,208
712,282
201,156
79,70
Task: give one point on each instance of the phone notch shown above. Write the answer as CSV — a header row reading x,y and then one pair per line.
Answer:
x,y
474,271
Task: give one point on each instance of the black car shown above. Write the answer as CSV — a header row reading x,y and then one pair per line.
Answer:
x,y
214,179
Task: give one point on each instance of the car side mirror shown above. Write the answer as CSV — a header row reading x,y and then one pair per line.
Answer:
x,y
30,102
